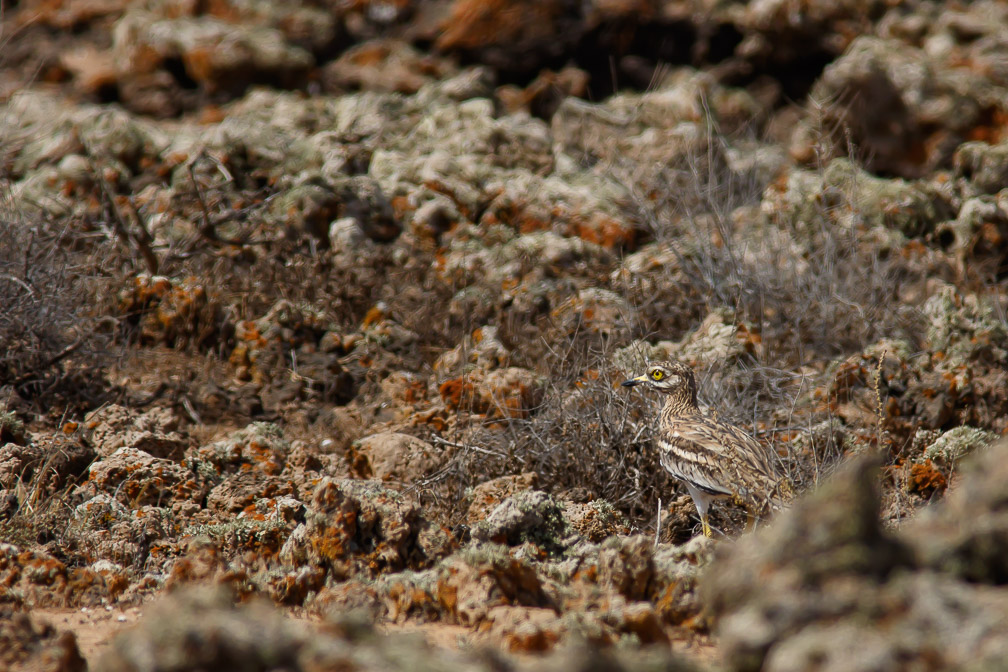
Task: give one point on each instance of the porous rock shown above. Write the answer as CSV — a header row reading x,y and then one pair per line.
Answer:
x,y
392,455
486,496
103,528
355,525
966,535
138,478
154,431
475,580
49,463
35,578
528,516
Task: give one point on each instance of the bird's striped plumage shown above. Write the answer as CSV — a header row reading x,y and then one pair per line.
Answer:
x,y
714,459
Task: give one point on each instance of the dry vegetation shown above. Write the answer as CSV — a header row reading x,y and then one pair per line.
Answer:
x,y
585,438
53,340
808,290
326,343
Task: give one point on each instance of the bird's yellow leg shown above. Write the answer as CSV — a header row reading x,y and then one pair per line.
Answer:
x,y
706,526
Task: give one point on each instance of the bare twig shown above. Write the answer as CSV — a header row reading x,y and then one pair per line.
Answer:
x,y
657,530
55,359
465,446
140,242
19,281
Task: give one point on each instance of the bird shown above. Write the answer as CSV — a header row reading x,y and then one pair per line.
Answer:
x,y
712,458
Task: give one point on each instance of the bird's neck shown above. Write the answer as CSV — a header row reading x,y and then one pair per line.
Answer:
x,y
681,402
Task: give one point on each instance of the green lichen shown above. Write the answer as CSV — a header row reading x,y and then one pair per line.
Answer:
x,y
240,527
12,430
957,443
584,626
542,523
964,328
202,468
267,430
844,193
368,490
481,555
425,580
890,347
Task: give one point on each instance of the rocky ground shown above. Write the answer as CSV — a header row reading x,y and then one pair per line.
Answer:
x,y
313,314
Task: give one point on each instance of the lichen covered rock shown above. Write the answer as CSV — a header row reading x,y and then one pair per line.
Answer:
x,y
830,576
362,526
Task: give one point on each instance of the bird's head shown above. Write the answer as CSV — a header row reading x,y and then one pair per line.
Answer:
x,y
667,377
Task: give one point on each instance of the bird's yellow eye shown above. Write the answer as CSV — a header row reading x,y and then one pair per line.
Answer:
x,y
657,374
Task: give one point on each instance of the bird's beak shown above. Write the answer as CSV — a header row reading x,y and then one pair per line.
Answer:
x,y
634,381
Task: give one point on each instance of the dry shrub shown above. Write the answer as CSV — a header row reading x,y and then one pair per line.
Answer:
x,y
814,287
587,439
36,507
812,292
51,339
592,439
45,520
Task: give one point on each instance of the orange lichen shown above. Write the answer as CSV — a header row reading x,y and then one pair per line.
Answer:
x,y
447,594
331,542
436,418
925,480
373,316
414,391
605,231
992,126
534,640
479,23
401,207
457,392
750,337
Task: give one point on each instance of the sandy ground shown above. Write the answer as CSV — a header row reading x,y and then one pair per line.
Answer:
x,y
96,627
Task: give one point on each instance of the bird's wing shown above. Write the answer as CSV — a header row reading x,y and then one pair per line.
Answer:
x,y
690,457
753,457
720,459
